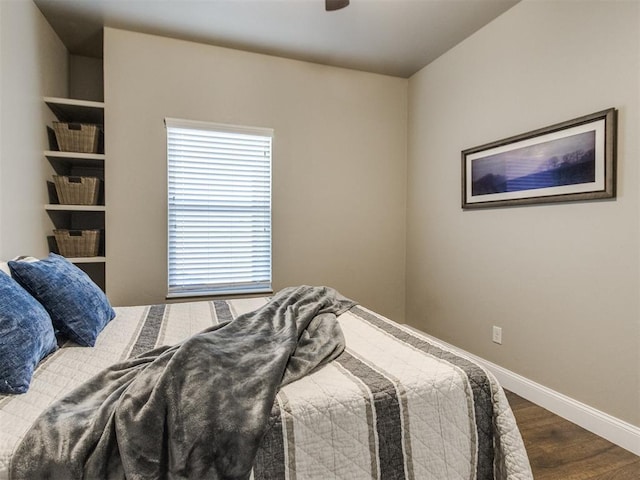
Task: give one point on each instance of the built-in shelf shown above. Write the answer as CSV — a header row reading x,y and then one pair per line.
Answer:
x,y
78,217
87,259
73,156
75,208
70,163
80,111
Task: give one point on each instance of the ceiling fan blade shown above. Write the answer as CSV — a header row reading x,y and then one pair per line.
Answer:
x,y
331,5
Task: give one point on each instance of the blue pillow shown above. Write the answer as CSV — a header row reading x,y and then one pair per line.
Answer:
x,y
26,336
77,306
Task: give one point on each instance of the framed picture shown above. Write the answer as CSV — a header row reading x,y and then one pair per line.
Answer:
x,y
570,161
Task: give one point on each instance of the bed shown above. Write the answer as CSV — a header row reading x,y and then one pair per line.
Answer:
x,y
393,405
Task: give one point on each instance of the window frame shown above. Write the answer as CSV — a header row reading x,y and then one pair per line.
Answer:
x,y
230,288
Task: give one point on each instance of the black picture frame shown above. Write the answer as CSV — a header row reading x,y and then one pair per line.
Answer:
x,y
570,161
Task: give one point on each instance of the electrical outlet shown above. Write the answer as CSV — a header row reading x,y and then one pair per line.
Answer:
x,y
497,335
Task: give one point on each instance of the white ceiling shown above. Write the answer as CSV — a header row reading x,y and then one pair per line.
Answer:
x,y
393,37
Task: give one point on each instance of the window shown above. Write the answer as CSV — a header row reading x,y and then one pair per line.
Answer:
x,y
219,208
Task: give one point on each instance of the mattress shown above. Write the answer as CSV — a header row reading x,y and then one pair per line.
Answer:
x,y
394,405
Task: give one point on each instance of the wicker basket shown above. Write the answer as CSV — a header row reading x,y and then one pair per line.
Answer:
x,y
77,190
76,137
77,243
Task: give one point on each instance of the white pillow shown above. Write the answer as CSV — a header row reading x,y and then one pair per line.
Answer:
x,y
4,266
23,258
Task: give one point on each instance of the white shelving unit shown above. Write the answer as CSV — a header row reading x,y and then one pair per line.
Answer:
x,y
74,208
73,158
80,111
78,217
87,259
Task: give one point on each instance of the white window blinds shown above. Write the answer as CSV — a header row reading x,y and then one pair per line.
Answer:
x,y
219,208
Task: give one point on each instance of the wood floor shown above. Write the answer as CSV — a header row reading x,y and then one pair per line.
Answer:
x,y
560,450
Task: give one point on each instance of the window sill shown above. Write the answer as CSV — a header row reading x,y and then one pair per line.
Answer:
x,y
220,293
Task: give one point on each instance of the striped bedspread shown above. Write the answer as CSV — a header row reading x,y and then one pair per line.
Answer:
x,y
394,405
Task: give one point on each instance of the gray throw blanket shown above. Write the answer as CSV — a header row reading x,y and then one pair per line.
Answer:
x,y
196,410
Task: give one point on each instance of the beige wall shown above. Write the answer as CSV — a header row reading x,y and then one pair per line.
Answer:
x,y
86,78
33,62
339,168
561,280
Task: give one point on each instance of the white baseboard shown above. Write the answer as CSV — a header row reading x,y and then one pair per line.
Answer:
x,y
602,424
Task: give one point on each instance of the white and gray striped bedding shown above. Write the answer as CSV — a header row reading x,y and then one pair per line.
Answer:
x,y
394,405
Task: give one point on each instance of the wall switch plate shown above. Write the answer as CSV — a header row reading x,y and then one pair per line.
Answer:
x,y
497,335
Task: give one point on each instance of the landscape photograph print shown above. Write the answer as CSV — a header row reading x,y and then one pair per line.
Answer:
x,y
573,160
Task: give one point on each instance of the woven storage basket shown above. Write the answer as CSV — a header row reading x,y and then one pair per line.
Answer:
x,y
77,190
76,137
77,243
